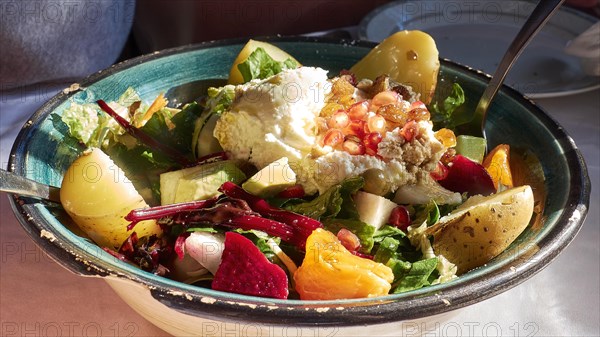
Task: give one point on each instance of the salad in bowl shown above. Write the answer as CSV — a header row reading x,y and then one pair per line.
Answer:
x,y
290,182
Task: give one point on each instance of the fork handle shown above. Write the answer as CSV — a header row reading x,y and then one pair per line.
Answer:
x,y
540,15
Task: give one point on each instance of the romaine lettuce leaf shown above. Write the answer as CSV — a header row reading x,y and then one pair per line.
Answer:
x,y
260,65
363,231
83,121
335,202
417,277
444,113
219,99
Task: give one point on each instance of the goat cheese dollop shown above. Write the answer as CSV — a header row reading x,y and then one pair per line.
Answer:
x,y
276,117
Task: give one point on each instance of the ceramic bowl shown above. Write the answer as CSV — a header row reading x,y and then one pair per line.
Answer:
x,y
42,153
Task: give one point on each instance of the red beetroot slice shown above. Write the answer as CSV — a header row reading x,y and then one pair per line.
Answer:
x,y
465,175
245,270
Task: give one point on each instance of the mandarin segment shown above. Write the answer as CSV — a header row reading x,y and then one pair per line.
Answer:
x,y
329,271
497,163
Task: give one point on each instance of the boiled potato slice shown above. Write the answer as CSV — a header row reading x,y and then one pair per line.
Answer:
x,y
97,196
483,227
235,77
409,57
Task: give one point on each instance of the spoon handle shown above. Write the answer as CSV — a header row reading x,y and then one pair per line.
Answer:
x,y
13,183
540,15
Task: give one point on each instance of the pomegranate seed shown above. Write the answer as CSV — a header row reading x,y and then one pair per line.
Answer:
x,y
333,137
400,218
384,98
358,111
440,172
353,147
371,142
376,124
356,128
296,191
448,156
348,239
338,120
409,131
417,104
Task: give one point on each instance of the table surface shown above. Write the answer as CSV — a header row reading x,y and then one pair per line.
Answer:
x,y
39,298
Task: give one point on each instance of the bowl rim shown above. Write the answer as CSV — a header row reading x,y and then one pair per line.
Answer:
x,y
204,302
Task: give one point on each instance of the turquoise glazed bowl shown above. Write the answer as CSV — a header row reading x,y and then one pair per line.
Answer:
x,y
42,153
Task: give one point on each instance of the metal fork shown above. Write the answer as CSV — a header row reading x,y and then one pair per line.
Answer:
x,y
540,15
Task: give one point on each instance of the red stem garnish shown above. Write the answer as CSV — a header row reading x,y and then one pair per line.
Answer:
x,y
304,223
144,137
158,212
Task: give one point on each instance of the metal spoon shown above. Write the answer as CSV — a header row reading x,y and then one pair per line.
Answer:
x,y
13,183
540,15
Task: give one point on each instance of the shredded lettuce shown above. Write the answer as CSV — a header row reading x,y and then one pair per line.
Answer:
x,y
219,99
91,126
446,270
260,65
83,121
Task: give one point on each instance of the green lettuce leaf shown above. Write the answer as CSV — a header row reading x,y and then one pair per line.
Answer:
x,y
417,277
174,127
336,209
363,231
335,202
260,65
444,113
219,99
83,121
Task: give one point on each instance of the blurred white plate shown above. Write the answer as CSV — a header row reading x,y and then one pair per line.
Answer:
x,y
477,33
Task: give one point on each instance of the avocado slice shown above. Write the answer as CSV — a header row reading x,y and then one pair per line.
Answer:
x,y
471,147
272,179
198,182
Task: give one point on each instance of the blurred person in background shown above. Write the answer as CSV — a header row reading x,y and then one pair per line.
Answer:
x,y
60,40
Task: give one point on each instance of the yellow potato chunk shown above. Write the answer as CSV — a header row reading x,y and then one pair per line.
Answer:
x,y
482,227
97,195
409,57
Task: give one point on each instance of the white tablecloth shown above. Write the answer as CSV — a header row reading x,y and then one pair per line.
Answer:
x,y
39,298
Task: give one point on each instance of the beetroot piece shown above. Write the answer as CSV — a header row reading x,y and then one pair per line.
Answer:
x,y
245,270
465,175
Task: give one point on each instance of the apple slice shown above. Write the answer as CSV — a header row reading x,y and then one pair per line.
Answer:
x,y
373,209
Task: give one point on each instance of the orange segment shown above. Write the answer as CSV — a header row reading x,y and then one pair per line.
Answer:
x,y
497,163
329,271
